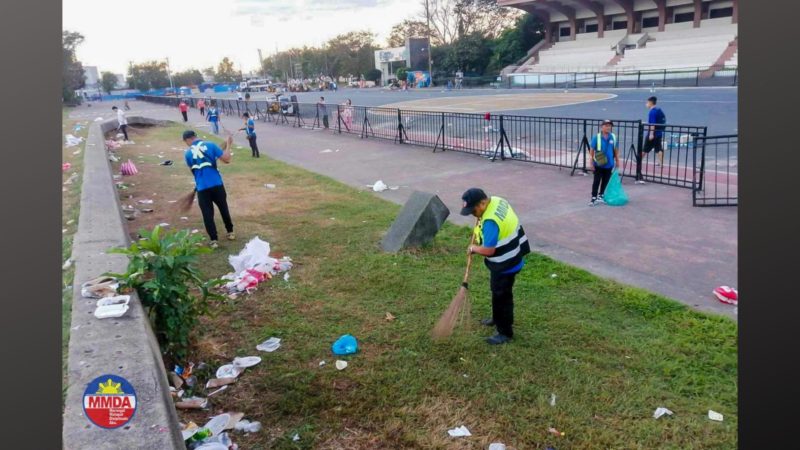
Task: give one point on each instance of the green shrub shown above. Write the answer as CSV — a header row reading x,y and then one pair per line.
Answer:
x,y
162,270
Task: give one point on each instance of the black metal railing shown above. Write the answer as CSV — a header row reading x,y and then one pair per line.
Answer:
x,y
555,141
715,75
716,171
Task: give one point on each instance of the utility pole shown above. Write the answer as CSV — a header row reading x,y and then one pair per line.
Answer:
x,y
261,63
169,74
430,63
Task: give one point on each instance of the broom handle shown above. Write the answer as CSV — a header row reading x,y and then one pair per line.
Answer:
x,y
469,257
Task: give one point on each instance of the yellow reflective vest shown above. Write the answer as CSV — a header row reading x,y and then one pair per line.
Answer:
x,y
512,243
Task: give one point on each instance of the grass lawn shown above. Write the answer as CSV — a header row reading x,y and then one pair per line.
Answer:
x,y
70,210
610,353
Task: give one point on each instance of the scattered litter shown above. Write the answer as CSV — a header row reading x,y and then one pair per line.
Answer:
x,y
497,446
173,201
327,150
394,188
247,426
379,186
345,345
252,266
70,221
235,418
229,371
167,163
322,363
296,437
71,178
77,152
184,218
112,145
286,277
189,430
147,210
461,431
63,230
246,361
217,424
553,275
269,186
67,264
341,365
192,403
715,416
99,119
217,382
100,287
660,411
72,141
552,399
163,224
555,432
128,168
195,231
218,390
270,345
65,167
390,317
727,294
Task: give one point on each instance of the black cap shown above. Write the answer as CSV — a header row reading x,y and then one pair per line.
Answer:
x,y
608,122
188,134
471,198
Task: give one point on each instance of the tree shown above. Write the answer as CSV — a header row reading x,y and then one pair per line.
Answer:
x,y
373,75
109,82
225,71
72,75
351,53
406,29
149,75
452,19
470,54
401,73
514,43
191,77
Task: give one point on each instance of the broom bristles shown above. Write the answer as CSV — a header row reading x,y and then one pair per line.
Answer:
x,y
185,202
458,309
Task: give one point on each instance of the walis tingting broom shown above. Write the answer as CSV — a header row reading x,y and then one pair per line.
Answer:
x,y
459,308
185,202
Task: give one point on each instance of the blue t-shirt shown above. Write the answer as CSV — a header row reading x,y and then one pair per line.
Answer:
x,y
653,117
212,115
491,232
202,157
607,146
250,128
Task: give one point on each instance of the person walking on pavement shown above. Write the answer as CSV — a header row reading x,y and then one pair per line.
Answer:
x,y
213,117
322,110
501,240
122,122
184,110
655,130
201,105
202,157
604,154
250,130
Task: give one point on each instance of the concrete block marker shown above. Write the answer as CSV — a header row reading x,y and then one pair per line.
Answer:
x,y
417,223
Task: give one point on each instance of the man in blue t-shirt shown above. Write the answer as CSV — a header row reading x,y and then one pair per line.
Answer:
x,y
654,130
250,130
213,117
202,157
604,154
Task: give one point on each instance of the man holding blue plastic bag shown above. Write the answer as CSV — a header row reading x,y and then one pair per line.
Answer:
x,y
604,154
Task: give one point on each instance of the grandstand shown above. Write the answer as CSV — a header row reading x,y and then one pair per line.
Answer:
x,y
636,35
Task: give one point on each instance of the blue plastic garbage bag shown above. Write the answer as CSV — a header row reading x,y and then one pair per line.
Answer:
x,y
345,345
615,195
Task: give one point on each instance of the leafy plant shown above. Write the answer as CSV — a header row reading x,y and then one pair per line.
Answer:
x,y
163,271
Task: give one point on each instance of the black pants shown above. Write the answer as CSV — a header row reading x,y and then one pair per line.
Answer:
x,y
603,175
185,116
203,111
207,198
502,286
124,129
253,146
325,121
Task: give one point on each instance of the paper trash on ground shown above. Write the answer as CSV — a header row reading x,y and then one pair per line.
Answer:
x,y
497,446
715,416
552,399
270,345
72,141
379,186
296,437
461,431
341,365
252,266
660,411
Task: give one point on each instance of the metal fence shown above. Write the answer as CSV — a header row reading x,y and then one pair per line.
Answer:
x,y
555,141
716,171
685,77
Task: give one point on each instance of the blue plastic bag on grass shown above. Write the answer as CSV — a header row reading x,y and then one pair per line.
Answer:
x,y
615,195
345,345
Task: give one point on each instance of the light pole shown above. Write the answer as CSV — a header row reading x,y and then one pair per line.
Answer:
x,y
169,74
430,63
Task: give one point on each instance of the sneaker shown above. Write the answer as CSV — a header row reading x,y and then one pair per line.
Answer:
x,y
727,294
600,199
593,202
231,236
487,322
498,339
213,244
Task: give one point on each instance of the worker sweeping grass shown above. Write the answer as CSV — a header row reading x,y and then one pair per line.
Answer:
x,y
501,240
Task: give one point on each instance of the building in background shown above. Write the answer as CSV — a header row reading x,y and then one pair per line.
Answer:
x,y
388,60
92,77
121,82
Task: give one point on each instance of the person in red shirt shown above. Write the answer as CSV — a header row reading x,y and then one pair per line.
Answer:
x,y
201,105
184,110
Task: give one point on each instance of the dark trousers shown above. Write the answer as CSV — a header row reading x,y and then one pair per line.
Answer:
x,y
325,121
601,175
185,116
203,111
253,146
502,286
124,129
207,198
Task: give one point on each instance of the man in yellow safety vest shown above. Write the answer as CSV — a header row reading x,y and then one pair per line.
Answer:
x,y
500,239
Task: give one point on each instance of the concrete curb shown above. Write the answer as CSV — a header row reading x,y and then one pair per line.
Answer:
x,y
125,346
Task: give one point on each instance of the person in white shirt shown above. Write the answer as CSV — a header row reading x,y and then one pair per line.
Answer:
x,y
122,121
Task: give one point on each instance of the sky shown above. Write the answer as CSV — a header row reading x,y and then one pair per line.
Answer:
x,y
199,33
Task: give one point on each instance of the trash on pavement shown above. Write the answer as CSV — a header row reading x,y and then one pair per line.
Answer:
x,y
99,119
192,403
67,264
715,416
327,150
345,345
461,431
100,287
341,365
111,311
727,294
379,186
270,345
246,361
248,427
555,432
660,411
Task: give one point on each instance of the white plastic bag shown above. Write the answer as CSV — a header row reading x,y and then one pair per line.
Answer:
x,y
255,253
379,186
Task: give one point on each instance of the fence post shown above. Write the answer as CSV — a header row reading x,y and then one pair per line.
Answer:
x,y
664,81
339,118
735,74
584,151
639,79
697,80
539,81
238,109
524,82
615,78
399,125
595,80
639,144
554,81
444,128
575,80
